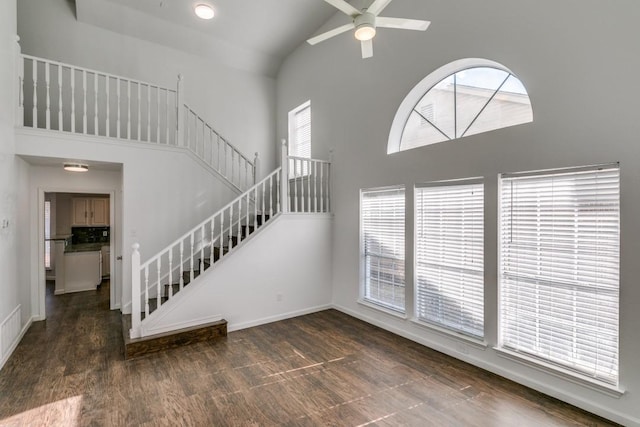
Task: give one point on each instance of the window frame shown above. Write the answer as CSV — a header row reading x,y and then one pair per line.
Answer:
x,y
547,364
298,168
441,327
363,298
425,85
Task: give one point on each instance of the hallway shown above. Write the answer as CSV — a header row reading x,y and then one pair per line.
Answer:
x,y
322,369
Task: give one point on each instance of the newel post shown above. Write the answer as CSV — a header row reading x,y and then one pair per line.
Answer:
x,y
136,313
284,179
19,94
180,125
256,169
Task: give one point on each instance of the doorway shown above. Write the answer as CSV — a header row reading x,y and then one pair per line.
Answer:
x,y
78,244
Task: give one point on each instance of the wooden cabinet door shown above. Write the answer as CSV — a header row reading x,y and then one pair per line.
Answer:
x,y
100,212
79,211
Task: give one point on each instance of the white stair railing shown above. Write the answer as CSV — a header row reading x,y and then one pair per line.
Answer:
x,y
157,280
303,189
308,187
66,98
217,152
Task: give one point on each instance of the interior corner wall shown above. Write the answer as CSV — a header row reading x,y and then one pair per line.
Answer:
x,y
585,100
239,104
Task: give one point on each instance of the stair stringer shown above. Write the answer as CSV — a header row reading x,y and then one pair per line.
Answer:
x,y
281,272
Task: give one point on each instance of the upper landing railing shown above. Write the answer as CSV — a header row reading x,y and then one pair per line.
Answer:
x,y
62,97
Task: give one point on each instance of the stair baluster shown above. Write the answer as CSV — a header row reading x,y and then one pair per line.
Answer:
x,y
159,272
170,273
47,78
95,105
139,134
181,278
34,73
146,291
60,127
191,274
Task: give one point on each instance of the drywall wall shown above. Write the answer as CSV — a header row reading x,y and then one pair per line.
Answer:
x,y
164,191
585,102
13,182
282,271
228,98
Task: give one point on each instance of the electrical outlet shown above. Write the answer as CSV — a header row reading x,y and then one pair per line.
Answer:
x,y
279,297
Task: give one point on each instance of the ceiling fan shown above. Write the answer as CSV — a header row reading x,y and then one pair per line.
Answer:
x,y
365,22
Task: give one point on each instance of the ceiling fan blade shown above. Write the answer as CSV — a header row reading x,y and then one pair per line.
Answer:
x,y
402,23
367,49
378,6
332,33
344,7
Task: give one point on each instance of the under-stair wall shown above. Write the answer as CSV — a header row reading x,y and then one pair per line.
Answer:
x,y
281,272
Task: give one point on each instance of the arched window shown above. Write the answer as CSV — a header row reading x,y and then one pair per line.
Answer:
x,y
463,98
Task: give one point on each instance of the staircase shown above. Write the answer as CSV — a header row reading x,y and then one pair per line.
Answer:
x,y
59,97
300,186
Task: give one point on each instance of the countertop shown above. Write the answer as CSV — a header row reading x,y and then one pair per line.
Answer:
x,y
85,247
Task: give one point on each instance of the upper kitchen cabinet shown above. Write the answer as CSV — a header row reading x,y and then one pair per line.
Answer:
x,y
90,211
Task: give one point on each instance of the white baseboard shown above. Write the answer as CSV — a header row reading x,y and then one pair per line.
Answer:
x,y
270,319
58,292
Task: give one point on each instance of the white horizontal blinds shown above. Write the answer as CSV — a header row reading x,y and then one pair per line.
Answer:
x,y
450,257
47,234
383,220
300,138
559,268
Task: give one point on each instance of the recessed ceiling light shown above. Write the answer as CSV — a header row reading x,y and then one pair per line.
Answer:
x,y
204,11
76,167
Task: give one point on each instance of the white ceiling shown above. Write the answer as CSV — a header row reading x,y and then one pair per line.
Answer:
x,y
265,30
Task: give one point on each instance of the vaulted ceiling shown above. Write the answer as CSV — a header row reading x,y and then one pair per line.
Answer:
x,y
264,32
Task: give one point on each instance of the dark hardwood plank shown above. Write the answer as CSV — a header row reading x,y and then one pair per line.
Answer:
x,y
322,369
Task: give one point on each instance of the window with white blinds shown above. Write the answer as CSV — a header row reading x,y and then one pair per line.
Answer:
x,y
47,234
300,131
559,268
382,218
449,261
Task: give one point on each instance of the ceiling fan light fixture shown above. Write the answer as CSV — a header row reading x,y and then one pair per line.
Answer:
x,y
204,11
365,32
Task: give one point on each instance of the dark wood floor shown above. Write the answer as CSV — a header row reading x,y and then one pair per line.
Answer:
x,y
321,369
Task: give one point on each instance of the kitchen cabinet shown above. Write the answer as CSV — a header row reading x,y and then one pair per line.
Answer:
x,y
89,211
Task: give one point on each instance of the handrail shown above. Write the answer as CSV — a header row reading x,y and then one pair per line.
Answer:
x,y
208,220
189,253
225,140
100,73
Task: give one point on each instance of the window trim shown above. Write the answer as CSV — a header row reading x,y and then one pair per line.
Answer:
x,y
530,360
379,306
442,329
418,91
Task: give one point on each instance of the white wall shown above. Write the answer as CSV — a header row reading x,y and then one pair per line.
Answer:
x,y
283,271
576,58
239,104
14,288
